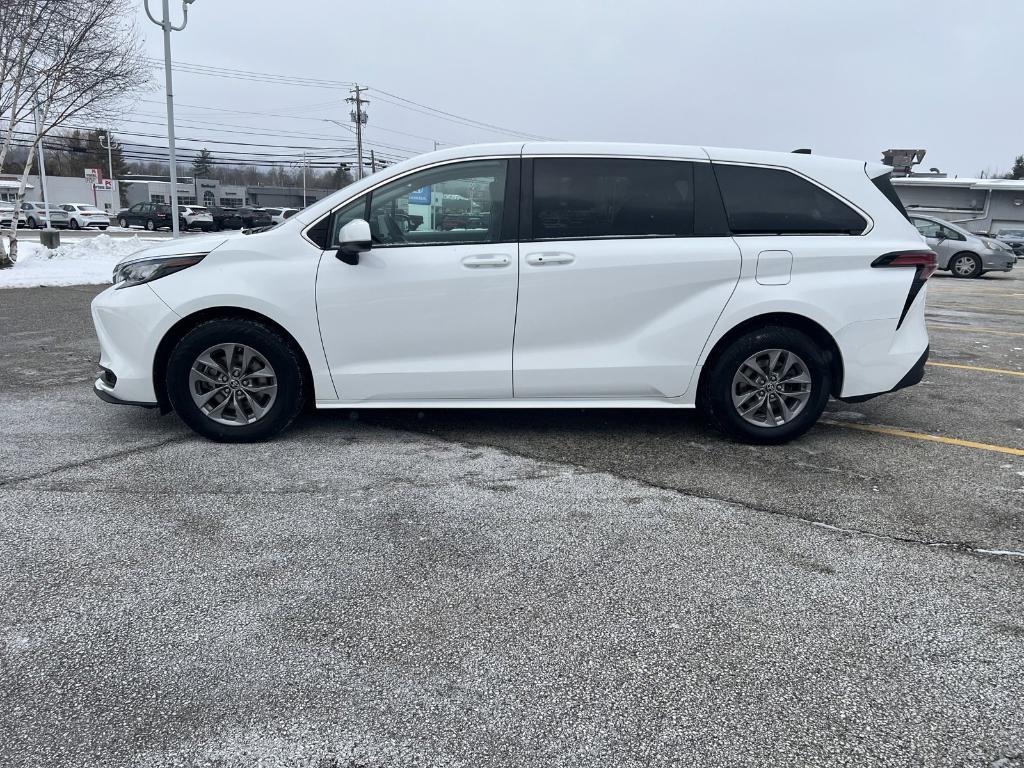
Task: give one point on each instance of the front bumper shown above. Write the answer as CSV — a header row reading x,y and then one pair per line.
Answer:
x,y
106,393
129,324
998,261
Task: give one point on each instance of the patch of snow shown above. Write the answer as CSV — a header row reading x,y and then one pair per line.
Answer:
x,y
80,262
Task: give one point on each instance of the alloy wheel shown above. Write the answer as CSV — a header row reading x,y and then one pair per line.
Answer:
x,y
233,384
771,387
964,266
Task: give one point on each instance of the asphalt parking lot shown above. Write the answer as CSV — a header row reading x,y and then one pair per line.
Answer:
x,y
454,588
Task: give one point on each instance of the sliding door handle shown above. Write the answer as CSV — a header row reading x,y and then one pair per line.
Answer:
x,y
487,260
552,258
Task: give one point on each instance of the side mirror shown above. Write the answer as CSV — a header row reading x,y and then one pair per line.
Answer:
x,y
353,239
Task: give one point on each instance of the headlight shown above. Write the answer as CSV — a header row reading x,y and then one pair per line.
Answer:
x,y
992,245
147,270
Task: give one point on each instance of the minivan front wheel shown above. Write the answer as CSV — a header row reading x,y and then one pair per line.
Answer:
x,y
769,386
235,380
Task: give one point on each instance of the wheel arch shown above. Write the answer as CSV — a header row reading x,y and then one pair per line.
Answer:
x,y
180,329
786,319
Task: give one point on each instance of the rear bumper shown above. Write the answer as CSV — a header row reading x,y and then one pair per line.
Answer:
x,y
913,376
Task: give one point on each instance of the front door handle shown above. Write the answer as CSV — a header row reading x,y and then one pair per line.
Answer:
x,y
549,257
487,260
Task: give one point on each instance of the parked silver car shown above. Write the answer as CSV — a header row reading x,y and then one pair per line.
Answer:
x,y
961,252
35,215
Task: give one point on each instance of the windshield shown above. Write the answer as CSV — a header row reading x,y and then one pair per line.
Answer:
x,y
1011,233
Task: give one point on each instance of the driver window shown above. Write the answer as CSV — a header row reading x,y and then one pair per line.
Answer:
x,y
450,205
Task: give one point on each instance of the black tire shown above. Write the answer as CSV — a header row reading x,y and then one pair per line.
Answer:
x,y
966,255
32,223
717,387
73,224
279,352
122,223
151,225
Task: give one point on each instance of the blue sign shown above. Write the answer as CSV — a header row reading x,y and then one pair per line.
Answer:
x,y
420,196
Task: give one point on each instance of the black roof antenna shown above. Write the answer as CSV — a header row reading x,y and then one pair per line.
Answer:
x,y
800,152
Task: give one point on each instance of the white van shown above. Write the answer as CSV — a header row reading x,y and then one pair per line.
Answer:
x,y
547,275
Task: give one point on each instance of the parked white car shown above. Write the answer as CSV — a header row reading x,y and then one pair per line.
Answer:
x,y
7,215
753,284
85,216
195,217
278,215
36,215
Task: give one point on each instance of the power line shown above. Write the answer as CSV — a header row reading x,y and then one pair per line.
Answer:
x,y
399,101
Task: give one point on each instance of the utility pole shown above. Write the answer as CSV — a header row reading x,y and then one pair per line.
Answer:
x,y
303,180
110,167
373,162
167,27
359,117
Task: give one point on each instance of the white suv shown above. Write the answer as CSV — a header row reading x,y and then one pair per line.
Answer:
x,y
548,275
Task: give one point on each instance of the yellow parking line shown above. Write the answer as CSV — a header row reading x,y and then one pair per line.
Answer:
x,y
978,368
958,292
923,436
973,330
976,309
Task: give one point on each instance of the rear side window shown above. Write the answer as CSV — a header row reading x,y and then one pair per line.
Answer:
x,y
583,198
770,201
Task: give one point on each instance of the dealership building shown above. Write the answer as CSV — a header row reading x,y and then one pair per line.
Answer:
x,y
210,193
983,206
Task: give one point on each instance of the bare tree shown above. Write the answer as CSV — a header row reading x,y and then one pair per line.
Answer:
x,y
89,62
24,27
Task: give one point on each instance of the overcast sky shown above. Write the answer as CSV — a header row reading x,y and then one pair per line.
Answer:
x,y
847,78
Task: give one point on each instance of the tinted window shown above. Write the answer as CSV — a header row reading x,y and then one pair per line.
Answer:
x,y
595,198
459,203
768,201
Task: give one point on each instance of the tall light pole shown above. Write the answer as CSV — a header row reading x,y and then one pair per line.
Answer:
x,y
167,27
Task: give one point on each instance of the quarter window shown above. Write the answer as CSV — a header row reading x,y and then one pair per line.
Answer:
x,y
454,204
584,198
770,201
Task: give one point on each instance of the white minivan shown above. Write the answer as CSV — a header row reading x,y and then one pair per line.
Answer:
x,y
541,275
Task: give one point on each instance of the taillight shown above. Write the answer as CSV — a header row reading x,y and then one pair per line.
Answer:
x,y
924,261
925,264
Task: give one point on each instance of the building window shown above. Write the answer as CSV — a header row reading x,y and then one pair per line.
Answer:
x,y
208,198
157,199
188,200
230,202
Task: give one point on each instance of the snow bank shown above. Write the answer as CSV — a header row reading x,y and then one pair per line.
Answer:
x,y
79,262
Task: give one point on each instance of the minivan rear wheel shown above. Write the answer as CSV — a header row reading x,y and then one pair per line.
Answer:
x,y
235,380
769,386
